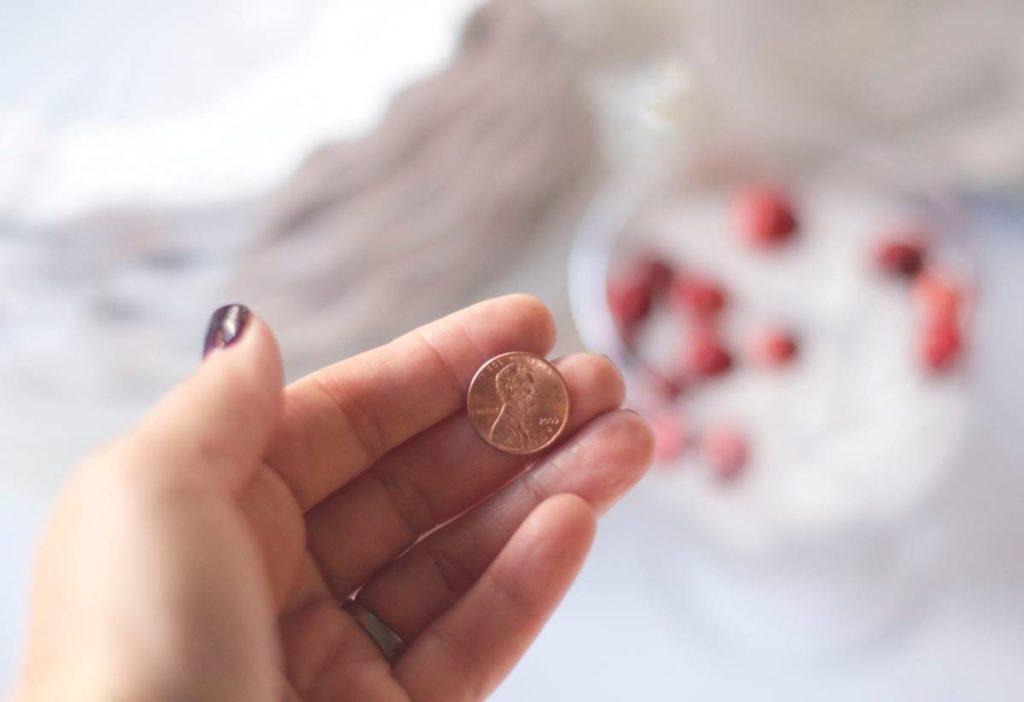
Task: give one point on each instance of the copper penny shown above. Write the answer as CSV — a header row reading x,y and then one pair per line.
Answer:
x,y
518,403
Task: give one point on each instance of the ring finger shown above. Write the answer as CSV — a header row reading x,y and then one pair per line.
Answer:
x,y
599,464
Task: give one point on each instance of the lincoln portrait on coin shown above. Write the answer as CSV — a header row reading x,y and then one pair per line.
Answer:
x,y
516,423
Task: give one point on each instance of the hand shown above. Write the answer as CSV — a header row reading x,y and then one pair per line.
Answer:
x,y
203,555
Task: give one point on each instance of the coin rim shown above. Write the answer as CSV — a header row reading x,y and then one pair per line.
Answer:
x,y
561,380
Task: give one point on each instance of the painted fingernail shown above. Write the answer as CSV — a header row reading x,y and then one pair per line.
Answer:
x,y
226,325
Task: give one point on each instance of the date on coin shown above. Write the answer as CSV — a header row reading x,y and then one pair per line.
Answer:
x,y
518,403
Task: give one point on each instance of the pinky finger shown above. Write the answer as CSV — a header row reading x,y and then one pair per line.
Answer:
x,y
467,651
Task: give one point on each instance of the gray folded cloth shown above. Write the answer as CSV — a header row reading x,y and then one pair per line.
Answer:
x,y
374,235
368,238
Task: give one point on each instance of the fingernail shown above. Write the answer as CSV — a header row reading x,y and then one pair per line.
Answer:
x,y
611,360
226,325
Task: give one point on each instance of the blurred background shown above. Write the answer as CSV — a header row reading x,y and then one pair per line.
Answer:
x,y
797,225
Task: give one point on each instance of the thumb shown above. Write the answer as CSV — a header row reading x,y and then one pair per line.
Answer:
x,y
215,425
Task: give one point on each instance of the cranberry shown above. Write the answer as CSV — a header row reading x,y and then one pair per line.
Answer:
x,y
707,356
937,294
656,271
775,347
665,387
726,450
902,256
630,301
941,345
669,436
765,216
703,296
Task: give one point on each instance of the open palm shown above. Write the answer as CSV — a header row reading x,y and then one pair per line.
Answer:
x,y
204,555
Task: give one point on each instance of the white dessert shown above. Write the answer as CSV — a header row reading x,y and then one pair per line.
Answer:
x,y
853,434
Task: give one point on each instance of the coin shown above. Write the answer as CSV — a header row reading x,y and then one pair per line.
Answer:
x,y
518,403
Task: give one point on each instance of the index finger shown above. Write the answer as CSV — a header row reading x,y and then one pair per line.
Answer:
x,y
339,420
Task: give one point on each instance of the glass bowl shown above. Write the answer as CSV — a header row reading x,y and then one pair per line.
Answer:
x,y
815,535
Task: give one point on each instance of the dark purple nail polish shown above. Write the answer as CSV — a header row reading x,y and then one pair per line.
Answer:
x,y
226,325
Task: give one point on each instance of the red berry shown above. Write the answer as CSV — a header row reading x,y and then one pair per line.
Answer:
x,y
775,347
669,436
705,297
941,345
726,450
630,301
903,256
765,216
937,294
656,271
664,387
708,357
